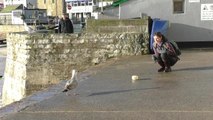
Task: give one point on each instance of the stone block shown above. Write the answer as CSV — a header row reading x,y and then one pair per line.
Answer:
x,y
37,61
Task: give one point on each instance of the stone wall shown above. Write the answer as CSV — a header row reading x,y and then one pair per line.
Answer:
x,y
4,29
36,61
118,26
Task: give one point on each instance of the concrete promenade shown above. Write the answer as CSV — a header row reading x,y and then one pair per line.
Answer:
x,y
107,93
3,53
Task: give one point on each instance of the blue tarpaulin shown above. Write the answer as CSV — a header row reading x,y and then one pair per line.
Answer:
x,y
158,26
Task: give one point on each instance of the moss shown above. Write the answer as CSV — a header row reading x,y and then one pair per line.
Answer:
x,y
10,8
110,26
93,23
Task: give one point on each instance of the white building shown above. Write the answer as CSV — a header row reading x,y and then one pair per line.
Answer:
x,y
1,4
14,14
26,3
80,9
19,8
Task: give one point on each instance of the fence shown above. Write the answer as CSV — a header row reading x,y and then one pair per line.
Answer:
x,y
5,21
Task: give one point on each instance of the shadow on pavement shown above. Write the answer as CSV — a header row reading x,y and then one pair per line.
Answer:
x,y
194,69
120,91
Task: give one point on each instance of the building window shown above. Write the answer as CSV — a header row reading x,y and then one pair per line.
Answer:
x,y
44,1
74,3
79,3
178,6
86,3
53,1
90,2
82,3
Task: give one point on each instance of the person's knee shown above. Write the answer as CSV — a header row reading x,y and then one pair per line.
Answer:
x,y
164,57
156,57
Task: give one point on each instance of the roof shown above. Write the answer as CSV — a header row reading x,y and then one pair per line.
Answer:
x,y
118,2
10,8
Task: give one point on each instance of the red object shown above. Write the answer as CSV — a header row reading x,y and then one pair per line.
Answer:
x,y
1,5
69,7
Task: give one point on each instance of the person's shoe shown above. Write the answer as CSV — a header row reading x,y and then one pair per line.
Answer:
x,y
168,69
161,69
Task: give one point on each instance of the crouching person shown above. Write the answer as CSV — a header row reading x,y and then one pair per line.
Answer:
x,y
164,53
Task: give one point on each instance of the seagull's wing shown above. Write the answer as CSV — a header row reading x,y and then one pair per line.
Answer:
x,y
73,85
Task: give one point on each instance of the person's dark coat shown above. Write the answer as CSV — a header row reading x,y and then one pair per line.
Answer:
x,y
65,26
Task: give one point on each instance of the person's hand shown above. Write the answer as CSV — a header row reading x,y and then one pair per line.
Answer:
x,y
155,44
154,58
163,50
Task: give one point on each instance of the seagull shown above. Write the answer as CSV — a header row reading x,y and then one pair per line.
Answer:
x,y
28,28
72,83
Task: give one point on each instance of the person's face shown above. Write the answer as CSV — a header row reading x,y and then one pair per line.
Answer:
x,y
157,39
63,16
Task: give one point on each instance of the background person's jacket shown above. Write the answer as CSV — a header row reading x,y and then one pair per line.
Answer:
x,y
65,26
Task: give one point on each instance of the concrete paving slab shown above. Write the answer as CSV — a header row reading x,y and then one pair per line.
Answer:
x,y
183,94
3,50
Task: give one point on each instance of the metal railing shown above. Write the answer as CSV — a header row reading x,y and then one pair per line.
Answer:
x,y
5,21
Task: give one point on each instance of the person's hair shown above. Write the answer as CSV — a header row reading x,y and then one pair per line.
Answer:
x,y
158,34
65,15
